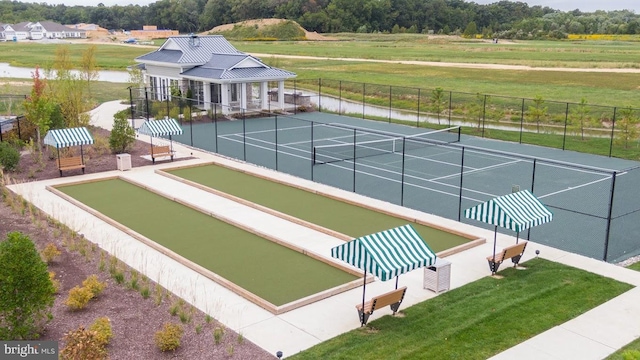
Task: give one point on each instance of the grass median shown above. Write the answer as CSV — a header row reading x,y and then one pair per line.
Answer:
x,y
478,320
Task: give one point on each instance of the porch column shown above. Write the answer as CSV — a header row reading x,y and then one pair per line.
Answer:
x,y
224,98
243,96
206,94
264,95
281,94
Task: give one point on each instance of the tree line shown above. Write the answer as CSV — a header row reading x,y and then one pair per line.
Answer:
x,y
503,19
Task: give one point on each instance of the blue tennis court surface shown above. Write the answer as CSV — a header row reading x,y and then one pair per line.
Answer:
x,y
596,208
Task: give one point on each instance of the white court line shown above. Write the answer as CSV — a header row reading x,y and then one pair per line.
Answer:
x,y
432,180
350,169
575,187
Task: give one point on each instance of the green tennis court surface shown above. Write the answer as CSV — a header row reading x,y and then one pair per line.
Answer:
x,y
332,214
273,272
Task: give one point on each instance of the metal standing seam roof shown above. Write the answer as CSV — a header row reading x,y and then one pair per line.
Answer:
x,y
192,54
241,73
517,211
388,253
162,127
68,137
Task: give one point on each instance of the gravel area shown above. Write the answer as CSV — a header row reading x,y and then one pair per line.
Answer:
x,y
134,318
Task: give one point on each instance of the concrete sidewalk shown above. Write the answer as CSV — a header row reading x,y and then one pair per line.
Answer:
x,y
593,335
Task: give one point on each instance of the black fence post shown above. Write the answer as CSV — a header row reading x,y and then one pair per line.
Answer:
x,y
607,234
533,181
613,128
168,110
276,146
450,98
418,118
320,94
566,120
215,125
130,106
364,91
191,129
461,184
354,159
295,97
146,100
390,87
484,112
340,98
244,135
313,153
18,121
521,120
404,147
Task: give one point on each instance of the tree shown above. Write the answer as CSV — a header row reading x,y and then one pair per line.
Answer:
x,y
579,118
38,106
537,112
437,101
89,67
70,90
26,291
627,127
471,30
122,134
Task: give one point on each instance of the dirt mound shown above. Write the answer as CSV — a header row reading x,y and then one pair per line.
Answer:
x,y
267,22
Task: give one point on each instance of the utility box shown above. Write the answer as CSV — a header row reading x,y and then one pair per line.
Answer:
x,y
123,162
437,277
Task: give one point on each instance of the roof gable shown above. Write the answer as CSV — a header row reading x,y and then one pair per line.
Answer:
x,y
195,49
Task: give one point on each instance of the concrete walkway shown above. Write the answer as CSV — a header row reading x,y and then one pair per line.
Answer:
x,y
592,335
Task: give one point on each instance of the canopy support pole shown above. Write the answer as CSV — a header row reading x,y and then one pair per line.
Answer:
x,y
58,152
495,239
397,277
364,288
517,236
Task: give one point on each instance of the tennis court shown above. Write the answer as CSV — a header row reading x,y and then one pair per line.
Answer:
x,y
441,173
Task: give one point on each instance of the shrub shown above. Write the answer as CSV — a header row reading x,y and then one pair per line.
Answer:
x,y
26,294
169,337
102,327
82,344
122,135
78,297
94,285
9,157
50,252
218,333
54,282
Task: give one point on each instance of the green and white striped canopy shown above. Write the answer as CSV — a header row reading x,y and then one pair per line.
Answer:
x,y
388,253
517,211
162,127
68,137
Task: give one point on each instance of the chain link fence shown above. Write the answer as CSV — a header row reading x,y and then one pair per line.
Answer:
x,y
596,211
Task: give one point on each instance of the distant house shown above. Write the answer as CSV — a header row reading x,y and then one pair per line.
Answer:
x,y
6,32
215,71
46,30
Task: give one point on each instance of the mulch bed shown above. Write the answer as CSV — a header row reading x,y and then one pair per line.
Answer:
x,y
134,319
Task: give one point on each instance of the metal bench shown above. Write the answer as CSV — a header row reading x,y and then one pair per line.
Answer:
x,y
393,298
514,252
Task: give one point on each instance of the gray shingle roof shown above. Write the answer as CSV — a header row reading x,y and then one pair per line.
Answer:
x,y
170,56
52,26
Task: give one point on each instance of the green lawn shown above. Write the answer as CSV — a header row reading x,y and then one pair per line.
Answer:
x,y
629,352
271,271
635,266
477,320
333,214
101,91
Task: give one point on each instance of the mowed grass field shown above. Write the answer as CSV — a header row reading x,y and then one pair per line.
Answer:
x,y
269,270
336,215
477,320
609,89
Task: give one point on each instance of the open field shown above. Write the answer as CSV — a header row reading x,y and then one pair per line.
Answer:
x,y
479,319
102,91
613,89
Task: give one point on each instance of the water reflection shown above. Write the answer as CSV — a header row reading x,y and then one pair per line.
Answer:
x,y
8,71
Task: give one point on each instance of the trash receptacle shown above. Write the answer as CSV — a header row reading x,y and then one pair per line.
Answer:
x,y
123,162
437,278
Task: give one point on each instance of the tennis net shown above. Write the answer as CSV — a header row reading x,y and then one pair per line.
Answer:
x,y
323,154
